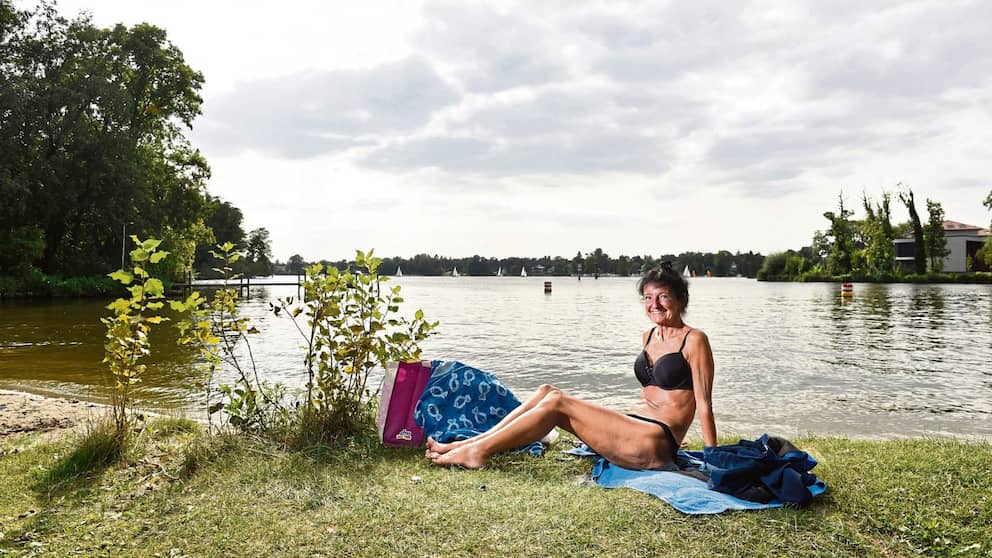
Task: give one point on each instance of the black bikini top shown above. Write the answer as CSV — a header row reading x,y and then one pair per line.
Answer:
x,y
670,371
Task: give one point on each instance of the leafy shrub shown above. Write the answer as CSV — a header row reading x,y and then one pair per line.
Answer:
x,y
218,330
20,247
352,327
84,286
782,266
773,266
127,331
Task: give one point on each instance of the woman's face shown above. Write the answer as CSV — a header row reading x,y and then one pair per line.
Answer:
x,y
661,306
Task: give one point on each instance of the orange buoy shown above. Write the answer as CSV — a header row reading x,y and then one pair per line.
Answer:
x,y
547,287
847,289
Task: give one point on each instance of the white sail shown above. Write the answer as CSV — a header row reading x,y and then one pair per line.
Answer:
x,y
399,271
499,272
523,272
454,272
686,273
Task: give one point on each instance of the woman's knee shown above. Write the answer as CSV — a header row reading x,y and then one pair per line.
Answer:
x,y
545,389
553,397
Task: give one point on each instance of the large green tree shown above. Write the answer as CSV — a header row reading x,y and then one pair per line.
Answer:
x,y
91,136
224,221
936,241
258,252
879,253
841,233
919,240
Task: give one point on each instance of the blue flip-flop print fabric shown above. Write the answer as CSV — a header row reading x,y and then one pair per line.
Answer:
x,y
460,401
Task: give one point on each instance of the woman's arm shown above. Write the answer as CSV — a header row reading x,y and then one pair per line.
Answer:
x,y
701,363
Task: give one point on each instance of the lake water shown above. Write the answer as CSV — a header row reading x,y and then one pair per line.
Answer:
x,y
791,358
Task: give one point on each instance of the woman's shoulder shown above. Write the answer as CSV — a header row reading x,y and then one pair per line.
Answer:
x,y
696,338
645,334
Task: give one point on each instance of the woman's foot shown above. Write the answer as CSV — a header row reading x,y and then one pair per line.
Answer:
x,y
469,456
433,446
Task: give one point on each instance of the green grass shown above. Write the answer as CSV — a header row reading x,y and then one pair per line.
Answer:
x,y
245,497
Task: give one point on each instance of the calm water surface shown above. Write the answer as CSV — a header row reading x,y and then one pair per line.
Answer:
x,y
791,358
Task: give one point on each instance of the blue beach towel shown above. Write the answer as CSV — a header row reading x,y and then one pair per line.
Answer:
x,y
687,494
460,402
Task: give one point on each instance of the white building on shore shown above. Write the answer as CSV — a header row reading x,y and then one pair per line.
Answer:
x,y
963,241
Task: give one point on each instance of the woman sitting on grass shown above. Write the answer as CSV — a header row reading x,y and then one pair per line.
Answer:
x,y
676,369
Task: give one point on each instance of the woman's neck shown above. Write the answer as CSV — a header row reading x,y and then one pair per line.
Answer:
x,y
669,330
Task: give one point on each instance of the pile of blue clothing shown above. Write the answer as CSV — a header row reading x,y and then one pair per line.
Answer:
x,y
762,470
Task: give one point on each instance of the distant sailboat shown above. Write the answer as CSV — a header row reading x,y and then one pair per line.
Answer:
x,y
686,272
499,272
399,271
523,272
454,272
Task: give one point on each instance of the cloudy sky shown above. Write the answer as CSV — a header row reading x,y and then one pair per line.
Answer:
x,y
545,128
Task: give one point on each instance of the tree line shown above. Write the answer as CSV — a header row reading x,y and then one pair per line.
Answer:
x,y
92,149
593,263
864,249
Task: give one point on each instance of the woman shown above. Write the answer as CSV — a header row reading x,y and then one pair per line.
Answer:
x,y
675,369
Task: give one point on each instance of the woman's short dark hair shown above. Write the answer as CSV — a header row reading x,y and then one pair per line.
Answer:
x,y
667,277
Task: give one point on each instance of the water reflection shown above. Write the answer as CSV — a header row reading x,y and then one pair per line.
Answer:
x,y
928,304
877,307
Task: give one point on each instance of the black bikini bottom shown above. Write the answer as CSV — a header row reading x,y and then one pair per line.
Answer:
x,y
668,432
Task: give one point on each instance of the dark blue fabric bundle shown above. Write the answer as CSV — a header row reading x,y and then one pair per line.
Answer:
x,y
761,470
460,402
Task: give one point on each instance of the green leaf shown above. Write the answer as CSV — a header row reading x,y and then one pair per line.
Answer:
x,y
177,306
150,244
138,255
119,305
159,256
155,305
156,319
121,276
154,287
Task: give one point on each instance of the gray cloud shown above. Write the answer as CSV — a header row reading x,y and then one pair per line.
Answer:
x,y
489,50
603,151
319,112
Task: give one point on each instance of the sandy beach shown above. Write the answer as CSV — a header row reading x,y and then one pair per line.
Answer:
x,y
26,412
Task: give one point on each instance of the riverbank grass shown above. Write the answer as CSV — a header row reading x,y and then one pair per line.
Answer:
x,y
180,492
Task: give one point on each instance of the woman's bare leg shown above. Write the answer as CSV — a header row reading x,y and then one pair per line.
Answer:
x,y
623,440
433,446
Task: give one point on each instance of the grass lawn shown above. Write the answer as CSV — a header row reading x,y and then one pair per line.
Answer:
x,y
182,493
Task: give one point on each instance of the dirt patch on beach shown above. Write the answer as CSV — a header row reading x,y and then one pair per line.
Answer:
x,y
26,412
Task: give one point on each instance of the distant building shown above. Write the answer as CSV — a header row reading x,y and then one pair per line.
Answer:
x,y
963,241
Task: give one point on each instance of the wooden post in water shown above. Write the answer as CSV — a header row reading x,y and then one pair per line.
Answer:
x,y
547,287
